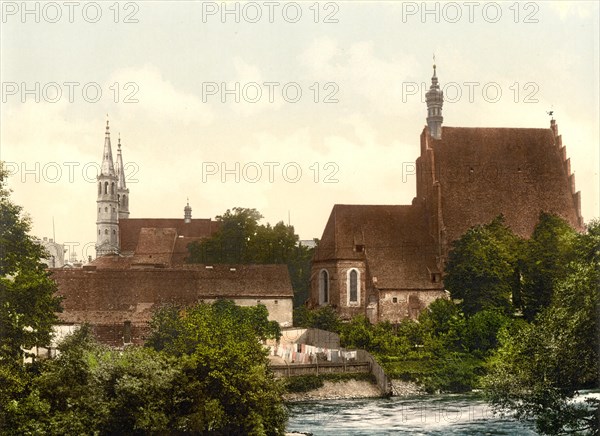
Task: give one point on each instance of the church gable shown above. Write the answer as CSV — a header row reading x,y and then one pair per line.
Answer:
x,y
155,246
484,172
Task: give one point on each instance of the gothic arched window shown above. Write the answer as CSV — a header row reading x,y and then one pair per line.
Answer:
x,y
353,286
106,231
99,187
112,188
124,201
323,287
106,187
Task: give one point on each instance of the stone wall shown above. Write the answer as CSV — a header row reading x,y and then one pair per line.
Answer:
x,y
397,305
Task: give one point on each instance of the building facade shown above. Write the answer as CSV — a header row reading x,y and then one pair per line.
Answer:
x,y
141,266
387,261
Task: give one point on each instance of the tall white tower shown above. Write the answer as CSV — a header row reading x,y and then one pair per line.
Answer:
x,y
435,100
107,222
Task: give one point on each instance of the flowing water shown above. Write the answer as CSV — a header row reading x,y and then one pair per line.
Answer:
x,y
429,415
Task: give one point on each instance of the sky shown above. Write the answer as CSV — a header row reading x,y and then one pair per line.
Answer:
x,y
286,107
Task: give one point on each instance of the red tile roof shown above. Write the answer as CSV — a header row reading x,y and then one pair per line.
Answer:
x,y
130,228
113,295
397,247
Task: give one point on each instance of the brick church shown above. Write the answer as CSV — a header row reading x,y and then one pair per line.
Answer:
x,y
386,261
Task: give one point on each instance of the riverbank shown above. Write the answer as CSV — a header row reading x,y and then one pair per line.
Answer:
x,y
351,389
347,389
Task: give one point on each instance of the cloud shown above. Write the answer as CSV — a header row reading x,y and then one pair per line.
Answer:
x,y
567,9
152,96
360,72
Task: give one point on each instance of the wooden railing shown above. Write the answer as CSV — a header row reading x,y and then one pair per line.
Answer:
x,y
293,369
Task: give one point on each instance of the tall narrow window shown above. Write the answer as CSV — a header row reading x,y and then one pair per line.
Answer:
x,y
353,286
106,187
127,332
323,287
99,187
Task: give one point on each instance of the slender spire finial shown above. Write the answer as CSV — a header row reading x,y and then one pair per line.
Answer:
x,y
107,128
435,100
119,141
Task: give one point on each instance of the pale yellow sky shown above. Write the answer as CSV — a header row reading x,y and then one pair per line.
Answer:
x,y
360,69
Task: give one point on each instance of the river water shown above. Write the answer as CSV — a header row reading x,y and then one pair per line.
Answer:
x,y
426,415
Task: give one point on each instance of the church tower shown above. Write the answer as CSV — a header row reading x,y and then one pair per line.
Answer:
x,y
187,213
122,191
435,100
107,222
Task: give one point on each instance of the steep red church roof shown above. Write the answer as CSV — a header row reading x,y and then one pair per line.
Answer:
x,y
130,230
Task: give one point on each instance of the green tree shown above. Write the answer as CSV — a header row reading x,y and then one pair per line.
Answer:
x,y
548,254
481,331
91,389
358,333
540,367
204,371
225,384
28,305
482,268
324,318
242,239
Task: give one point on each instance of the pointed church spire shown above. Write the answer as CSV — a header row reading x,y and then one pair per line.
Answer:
x,y
107,168
120,171
435,100
122,191
107,202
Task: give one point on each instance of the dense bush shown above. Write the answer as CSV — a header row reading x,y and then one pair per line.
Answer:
x,y
303,383
204,371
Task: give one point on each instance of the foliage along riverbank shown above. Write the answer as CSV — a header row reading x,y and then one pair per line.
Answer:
x,y
522,324
203,370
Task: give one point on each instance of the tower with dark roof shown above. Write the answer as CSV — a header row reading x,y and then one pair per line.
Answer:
x,y
107,222
435,100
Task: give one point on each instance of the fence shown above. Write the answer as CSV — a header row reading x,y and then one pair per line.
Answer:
x,y
310,336
383,381
320,368
306,347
